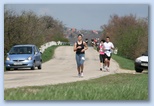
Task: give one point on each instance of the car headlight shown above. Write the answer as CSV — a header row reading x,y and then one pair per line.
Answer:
x,y
138,61
30,58
8,59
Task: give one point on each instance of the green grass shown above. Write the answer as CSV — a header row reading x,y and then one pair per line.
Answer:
x,y
123,62
112,87
48,53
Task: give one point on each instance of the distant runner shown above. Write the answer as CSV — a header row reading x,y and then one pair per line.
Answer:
x,y
108,52
101,54
80,47
86,41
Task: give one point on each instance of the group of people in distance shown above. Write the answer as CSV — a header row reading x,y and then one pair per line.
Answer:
x,y
105,52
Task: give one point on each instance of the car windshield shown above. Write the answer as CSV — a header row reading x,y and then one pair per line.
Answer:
x,y
21,50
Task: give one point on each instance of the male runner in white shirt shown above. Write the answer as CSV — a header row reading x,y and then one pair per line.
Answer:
x,y
108,46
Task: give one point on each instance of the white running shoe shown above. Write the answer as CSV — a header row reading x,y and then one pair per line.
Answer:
x,y
82,74
104,68
107,68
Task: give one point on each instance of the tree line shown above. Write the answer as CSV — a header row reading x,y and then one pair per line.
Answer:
x,y
29,28
128,33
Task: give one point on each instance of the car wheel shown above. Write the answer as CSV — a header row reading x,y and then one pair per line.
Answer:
x,y
33,67
138,70
7,69
40,66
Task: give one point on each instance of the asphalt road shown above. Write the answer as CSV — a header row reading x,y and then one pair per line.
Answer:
x,y
60,69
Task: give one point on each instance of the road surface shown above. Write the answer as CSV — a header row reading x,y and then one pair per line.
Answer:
x,y
60,69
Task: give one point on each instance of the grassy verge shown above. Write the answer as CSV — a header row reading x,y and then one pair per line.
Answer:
x,y
48,53
123,62
112,87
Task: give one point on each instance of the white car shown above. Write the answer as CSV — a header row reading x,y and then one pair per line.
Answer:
x,y
141,62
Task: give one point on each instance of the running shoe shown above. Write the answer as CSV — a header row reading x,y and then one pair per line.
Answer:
x,y
82,74
103,66
104,69
107,68
79,75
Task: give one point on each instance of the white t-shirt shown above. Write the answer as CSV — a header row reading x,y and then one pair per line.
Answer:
x,y
107,47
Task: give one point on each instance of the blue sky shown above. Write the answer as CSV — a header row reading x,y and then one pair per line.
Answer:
x,y
83,16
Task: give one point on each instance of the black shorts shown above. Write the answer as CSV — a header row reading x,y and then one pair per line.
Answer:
x,y
108,57
102,58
